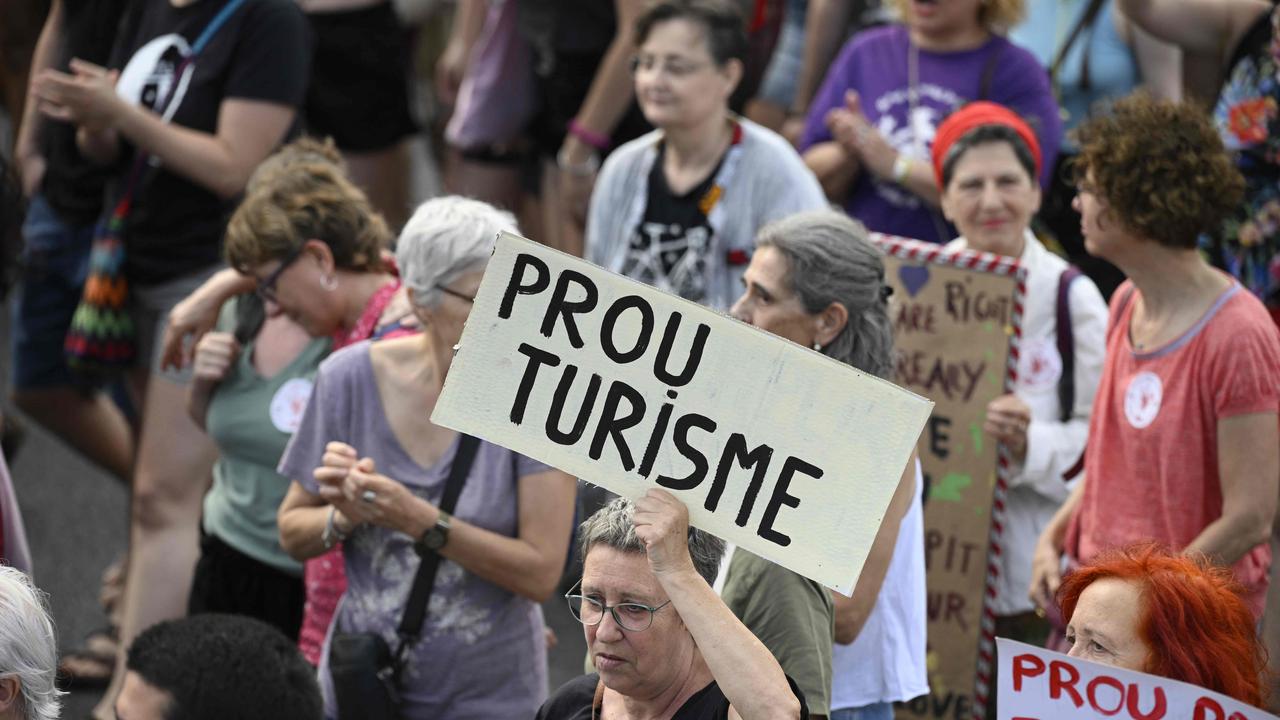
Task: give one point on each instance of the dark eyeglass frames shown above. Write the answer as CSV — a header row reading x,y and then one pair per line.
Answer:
x,y
634,617
266,287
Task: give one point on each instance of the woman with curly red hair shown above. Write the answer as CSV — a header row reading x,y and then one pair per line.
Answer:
x,y
1146,609
1183,446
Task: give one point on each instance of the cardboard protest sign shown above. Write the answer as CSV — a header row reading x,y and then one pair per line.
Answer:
x,y
1036,684
956,318
777,448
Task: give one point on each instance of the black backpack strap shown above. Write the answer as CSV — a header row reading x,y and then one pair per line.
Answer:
x,y
1086,21
415,610
988,73
1066,344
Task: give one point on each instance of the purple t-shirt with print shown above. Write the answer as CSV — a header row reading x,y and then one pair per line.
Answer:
x,y
875,63
481,653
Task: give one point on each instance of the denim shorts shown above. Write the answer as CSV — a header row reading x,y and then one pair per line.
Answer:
x,y
55,261
878,711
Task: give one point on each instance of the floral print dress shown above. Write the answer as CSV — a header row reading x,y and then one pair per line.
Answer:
x,y
1248,120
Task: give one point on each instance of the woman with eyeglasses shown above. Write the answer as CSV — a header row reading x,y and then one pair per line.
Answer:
x,y
369,469
308,242
678,208
662,642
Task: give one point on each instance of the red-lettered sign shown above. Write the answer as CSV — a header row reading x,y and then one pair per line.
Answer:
x,y
1036,684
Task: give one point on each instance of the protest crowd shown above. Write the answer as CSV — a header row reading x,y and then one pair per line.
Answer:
x,y
230,291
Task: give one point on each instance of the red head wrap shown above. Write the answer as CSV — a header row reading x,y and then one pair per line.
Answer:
x,y
974,115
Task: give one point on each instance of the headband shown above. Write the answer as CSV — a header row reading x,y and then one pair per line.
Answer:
x,y
975,115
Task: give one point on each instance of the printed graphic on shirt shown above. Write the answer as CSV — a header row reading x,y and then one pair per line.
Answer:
x,y
1142,399
670,257
913,135
1040,367
148,78
288,404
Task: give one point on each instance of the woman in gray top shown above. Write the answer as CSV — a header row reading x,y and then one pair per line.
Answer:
x,y
679,208
367,445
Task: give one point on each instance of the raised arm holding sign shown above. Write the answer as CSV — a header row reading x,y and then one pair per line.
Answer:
x,y
785,452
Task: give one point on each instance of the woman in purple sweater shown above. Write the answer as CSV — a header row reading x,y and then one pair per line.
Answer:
x,y
871,126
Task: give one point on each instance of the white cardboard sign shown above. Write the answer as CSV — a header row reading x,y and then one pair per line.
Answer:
x,y
786,452
1036,684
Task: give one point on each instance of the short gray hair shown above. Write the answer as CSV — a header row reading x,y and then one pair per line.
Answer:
x,y
28,646
830,259
446,238
612,526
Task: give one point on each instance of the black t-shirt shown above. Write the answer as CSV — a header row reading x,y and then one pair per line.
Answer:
x,y
262,52
669,248
574,699
73,185
568,27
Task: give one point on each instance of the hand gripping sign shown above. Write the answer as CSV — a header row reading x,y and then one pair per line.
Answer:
x,y
784,451
1036,684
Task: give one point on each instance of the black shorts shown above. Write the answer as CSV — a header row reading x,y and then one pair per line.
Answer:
x,y
228,581
561,94
359,92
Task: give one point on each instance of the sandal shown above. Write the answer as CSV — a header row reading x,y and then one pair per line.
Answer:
x,y
90,666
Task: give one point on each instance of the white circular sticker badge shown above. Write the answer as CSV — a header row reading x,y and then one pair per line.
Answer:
x,y
1142,399
1040,366
289,403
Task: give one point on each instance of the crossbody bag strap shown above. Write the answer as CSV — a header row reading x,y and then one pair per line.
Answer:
x,y
1086,21
415,610
1066,344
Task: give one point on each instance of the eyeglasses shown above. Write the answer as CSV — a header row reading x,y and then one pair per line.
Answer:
x,y
677,68
455,293
266,287
633,617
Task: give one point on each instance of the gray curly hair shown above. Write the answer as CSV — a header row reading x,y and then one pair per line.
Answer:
x,y
612,526
28,647
830,259
447,237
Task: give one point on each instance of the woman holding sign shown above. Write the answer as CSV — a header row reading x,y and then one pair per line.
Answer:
x,y
1183,447
816,279
370,469
663,644
986,160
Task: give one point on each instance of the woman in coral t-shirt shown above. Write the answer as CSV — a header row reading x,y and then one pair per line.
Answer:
x,y
1184,441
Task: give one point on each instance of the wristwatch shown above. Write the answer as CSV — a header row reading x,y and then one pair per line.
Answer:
x,y
435,537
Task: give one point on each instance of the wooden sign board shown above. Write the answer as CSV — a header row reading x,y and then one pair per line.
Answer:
x,y
775,447
956,319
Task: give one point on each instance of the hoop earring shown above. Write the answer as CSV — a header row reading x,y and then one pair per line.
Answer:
x,y
329,282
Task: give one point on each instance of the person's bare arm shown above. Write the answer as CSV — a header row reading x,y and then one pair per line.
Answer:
x,y
1159,62
468,21
1249,472
1211,28
302,518
834,167
197,313
26,152
1046,562
852,612
222,162
529,564
214,357
824,28
745,670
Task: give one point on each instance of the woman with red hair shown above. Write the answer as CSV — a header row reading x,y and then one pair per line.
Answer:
x,y
1144,608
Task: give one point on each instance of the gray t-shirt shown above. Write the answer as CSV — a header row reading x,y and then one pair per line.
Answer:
x,y
481,653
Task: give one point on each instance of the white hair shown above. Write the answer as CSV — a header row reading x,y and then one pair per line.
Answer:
x,y
28,646
447,237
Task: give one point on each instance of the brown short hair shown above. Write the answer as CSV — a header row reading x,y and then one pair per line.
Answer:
x,y
1160,168
307,201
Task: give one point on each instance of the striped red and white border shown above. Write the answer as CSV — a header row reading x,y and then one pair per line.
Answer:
x,y
916,251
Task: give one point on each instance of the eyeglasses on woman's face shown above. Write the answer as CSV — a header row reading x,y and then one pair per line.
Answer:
x,y
455,293
266,287
630,616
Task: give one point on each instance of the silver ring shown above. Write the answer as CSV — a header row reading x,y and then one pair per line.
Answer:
x,y
369,496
